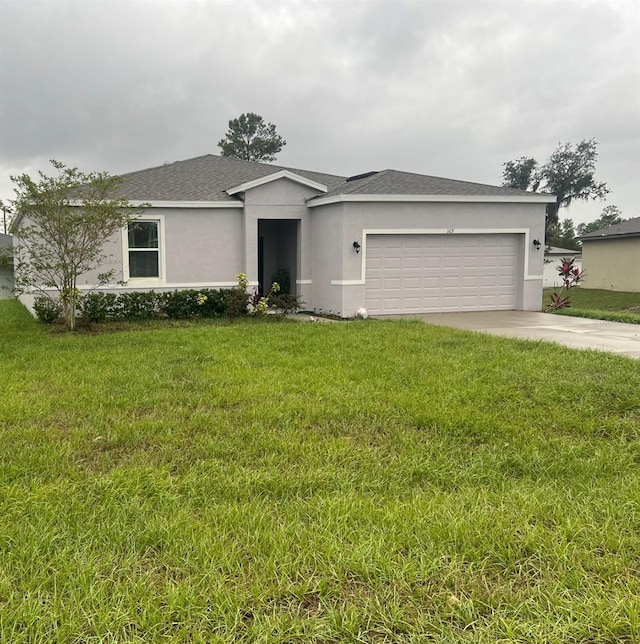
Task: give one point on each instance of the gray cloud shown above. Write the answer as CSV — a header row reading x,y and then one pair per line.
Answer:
x,y
446,88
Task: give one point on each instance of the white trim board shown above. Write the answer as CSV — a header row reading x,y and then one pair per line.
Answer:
x,y
186,204
322,201
282,174
165,286
154,203
437,231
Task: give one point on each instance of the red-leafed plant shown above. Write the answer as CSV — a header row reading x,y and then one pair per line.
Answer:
x,y
571,276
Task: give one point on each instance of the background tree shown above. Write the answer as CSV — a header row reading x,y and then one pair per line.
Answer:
x,y
568,174
563,235
61,226
250,138
610,216
520,174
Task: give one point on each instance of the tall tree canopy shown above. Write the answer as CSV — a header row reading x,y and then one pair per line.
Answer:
x,y
520,174
61,225
250,138
610,216
568,173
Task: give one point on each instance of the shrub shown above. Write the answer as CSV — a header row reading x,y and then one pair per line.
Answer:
x,y
181,305
259,304
48,309
214,305
282,277
284,303
236,300
97,307
137,305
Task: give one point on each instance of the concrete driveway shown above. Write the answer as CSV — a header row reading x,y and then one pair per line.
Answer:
x,y
577,333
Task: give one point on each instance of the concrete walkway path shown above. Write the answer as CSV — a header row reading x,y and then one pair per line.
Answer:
x,y
577,333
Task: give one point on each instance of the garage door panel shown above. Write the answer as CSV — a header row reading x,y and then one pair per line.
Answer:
x,y
413,262
427,273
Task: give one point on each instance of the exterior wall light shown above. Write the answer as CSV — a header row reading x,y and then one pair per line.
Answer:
x,y
356,246
537,244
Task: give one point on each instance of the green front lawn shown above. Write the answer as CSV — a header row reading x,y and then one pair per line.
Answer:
x,y
295,482
601,304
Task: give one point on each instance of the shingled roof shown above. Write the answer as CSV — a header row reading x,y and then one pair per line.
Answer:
x,y
395,182
208,177
629,228
204,178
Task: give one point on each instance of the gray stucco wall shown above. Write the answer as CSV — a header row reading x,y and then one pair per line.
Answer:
x,y
337,226
329,257
208,246
281,199
203,245
199,247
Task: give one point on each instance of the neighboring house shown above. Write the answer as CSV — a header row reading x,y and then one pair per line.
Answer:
x,y
611,257
393,242
552,261
6,269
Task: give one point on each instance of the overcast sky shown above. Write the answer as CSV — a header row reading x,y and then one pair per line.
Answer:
x,y
452,88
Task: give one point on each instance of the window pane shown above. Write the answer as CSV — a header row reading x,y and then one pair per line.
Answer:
x,y
143,263
143,234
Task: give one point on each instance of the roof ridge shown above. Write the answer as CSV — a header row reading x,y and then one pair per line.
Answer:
x,y
163,165
234,159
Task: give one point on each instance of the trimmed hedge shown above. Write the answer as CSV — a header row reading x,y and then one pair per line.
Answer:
x,y
149,305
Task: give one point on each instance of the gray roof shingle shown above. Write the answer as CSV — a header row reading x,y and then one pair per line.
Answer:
x,y
629,228
395,182
204,178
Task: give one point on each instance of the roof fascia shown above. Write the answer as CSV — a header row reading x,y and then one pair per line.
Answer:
x,y
321,201
282,174
186,204
139,203
603,237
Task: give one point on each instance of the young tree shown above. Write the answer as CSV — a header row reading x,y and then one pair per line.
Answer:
x,y
250,138
568,174
61,225
610,216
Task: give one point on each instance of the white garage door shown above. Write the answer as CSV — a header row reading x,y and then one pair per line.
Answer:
x,y
432,273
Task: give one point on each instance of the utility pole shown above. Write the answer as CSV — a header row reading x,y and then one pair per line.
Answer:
x,y
4,218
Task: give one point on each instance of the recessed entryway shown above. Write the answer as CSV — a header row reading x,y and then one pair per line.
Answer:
x,y
277,253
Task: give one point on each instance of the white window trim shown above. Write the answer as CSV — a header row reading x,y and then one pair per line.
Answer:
x,y
162,264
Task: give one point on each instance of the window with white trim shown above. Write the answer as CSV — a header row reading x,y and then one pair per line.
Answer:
x,y
144,248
